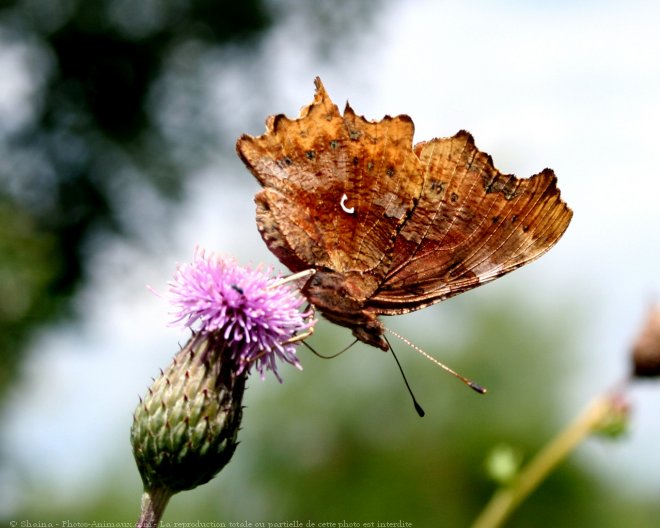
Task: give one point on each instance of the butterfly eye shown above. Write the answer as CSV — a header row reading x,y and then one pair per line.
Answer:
x,y
342,202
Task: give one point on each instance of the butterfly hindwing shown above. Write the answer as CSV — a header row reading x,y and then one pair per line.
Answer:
x,y
471,225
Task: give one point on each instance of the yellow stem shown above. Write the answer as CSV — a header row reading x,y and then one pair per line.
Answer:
x,y
505,500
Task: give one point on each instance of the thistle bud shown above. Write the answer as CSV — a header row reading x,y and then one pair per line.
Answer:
x,y
615,420
185,429
646,350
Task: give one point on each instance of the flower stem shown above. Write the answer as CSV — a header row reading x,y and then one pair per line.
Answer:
x,y
153,505
505,500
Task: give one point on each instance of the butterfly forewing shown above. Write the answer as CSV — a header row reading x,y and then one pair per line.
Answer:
x,y
334,194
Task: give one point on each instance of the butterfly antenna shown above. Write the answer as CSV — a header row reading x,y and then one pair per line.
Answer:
x,y
418,407
474,386
318,354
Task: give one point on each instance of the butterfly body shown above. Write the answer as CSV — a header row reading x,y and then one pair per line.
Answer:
x,y
340,298
390,227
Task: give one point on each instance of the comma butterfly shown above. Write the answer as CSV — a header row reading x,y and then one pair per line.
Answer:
x,y
390,227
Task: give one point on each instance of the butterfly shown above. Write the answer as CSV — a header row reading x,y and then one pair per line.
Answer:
x,y
390,227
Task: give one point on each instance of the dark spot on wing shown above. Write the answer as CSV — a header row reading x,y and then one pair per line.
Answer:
x,y
504,184
437,186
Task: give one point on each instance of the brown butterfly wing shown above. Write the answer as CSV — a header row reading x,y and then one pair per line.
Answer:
x,y
333,193
471,225
389,228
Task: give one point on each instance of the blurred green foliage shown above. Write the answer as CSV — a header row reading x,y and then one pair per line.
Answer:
x,y
93,67
341,440
28,266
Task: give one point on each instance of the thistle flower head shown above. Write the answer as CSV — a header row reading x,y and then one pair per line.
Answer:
x,y
185,428
255,315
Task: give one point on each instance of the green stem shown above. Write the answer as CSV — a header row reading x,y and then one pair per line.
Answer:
x,y
153,505
505,500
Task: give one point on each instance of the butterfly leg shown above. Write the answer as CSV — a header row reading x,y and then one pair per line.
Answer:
x,y
296,276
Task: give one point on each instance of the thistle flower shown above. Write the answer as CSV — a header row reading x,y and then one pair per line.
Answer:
x,y
255,316
185,429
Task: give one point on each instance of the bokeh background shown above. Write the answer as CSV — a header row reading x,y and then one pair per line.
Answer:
x,y
117,128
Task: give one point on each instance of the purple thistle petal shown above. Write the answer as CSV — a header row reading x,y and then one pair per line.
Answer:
x,y
254,316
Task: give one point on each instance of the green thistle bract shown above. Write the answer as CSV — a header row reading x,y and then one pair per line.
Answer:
x,y
184,430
